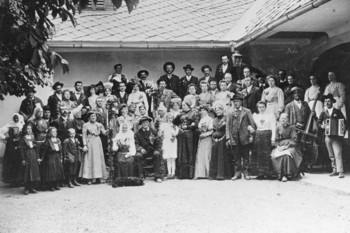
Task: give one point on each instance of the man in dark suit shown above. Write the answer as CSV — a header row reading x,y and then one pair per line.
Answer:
x,y
142,75
224,68
333,143
172,81
163,95
213,87
148,148
121,94
251,95
206,70
282,79
239,129
78,95
231,87
29,104
63,123
55,100
117,77
187,80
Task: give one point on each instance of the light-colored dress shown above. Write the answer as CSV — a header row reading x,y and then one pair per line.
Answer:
x,y
310,97
92,101
205,98
139,98
93,165
203,156
224,96
337,89
169,147
274,98
192,99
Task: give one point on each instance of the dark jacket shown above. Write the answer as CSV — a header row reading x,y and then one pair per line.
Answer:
x,y
81,100
147,140
219,74
297,115
62,127
27,107
164,97
251,99
336,114
122,100
173,83
184,85
237,126
71,149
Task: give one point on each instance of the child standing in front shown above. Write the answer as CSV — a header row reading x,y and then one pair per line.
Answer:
x,y
169,132
30,160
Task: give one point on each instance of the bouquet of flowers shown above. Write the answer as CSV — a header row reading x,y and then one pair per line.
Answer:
x,y
151,87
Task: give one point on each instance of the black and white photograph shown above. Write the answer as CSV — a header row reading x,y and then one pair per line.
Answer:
x,y
174,116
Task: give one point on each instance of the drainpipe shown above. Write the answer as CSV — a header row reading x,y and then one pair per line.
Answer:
x,y
291,15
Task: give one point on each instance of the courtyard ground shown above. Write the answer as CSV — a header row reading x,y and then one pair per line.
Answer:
x,y
181,206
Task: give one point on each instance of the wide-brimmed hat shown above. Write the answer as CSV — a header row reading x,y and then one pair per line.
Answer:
x,y
144,118
204,67
168,63
142,71
188,66
329,96
237,97
57,84
296,89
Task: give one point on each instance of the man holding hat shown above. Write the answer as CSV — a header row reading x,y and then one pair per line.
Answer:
x,y
240,127
148,148
298,110
333,143
29,104
186,80
55,100
206,70
172,81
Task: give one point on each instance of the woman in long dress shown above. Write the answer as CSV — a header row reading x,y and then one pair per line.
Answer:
x,y
205,127
39,126
10,134
274,97
286,156
187,120
123,147
220,161
51,156
265,136
312,95
93,165
137,98
93,97
30,160
224,95
205,97
169,131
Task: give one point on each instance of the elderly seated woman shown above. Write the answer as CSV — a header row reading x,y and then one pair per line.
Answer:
x,y
286,156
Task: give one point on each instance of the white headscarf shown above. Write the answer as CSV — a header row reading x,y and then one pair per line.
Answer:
x,y
5,129
125,137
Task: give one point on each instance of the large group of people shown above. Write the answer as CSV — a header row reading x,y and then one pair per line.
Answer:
x,y
229,125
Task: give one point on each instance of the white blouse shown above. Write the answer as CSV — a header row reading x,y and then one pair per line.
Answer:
x,y
266,121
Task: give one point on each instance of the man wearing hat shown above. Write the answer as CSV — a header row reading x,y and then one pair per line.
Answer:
x,y
172,81
29,103
186,80
148,148
333,143
55,99
298,110
240,127
206,70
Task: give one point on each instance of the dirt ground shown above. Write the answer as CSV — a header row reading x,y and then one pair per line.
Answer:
x,y
178,206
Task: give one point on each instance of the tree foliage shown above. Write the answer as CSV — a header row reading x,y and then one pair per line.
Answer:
x,y
25,26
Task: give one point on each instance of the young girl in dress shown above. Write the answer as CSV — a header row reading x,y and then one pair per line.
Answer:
x,y
30,160
169,132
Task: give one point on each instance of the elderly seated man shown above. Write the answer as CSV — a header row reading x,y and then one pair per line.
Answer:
x,y
148,147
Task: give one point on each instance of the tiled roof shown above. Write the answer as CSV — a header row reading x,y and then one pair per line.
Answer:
x,y
262,13
157,20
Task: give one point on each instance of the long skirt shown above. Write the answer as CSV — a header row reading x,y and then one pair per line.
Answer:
x,y
52,167
123,167
187,148
31,169
287,165
261,154
11,172
93,163
203,157
219,162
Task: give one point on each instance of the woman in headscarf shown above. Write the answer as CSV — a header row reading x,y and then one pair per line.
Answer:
x,y
187,120
286,157
219,162
10,134
123,147
265,136
93,165
205,127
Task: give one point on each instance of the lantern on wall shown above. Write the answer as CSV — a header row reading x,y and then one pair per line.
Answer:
x,y
237,58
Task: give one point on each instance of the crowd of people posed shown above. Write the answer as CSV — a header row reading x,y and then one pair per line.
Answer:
x,y
229,125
